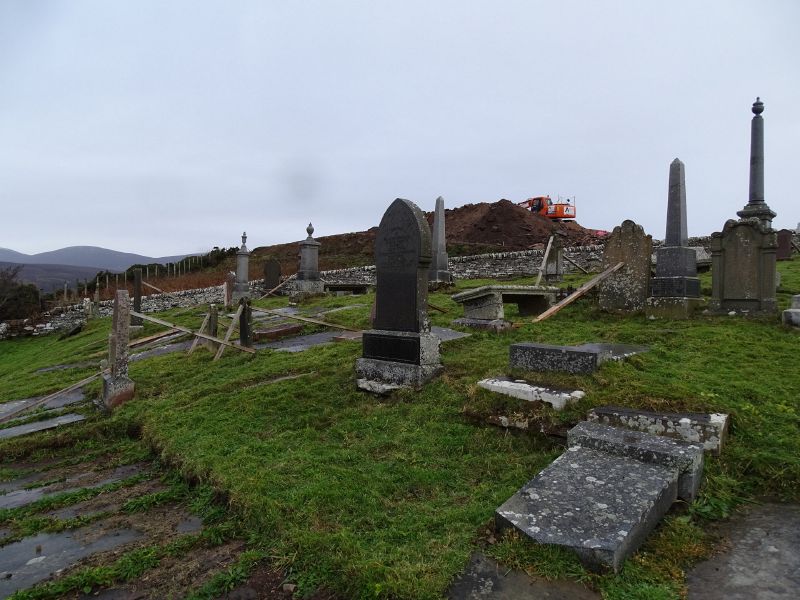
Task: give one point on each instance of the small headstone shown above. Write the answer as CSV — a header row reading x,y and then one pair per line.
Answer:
x,y
791,316
554,267
245,324
400,350
117,386
784,250
211,327
272,273
241,289
626,290
227,288
137,297
308,282
439,271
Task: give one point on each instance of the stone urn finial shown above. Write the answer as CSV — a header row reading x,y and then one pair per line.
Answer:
x,y
310,230
244,238
758,106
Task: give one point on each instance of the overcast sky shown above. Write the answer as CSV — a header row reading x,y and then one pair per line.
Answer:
x,y
169,127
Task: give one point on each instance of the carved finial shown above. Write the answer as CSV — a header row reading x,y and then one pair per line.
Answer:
x,y
244,238
758,106
310,229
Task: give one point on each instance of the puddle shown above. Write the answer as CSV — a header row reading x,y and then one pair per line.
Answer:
x,y
22,497
301,343
12,432
190,524
34,559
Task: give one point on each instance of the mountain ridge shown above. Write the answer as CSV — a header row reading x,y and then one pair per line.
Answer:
x,y
95,257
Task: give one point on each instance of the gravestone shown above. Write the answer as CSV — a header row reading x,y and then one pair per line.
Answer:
x,y
791,316
272,273
241,289
439,272
137,297
675,290
308,282
227,288
96,303
626,290
743,272
784,249
211,327
400,350
245,324
554,266
117,386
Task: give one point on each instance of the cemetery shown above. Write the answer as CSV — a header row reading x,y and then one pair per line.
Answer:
x,y
579,419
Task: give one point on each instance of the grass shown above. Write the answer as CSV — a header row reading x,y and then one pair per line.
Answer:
x,y
388,497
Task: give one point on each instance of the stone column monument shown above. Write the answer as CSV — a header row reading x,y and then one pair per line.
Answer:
x,y
675,290
117,386
743,273
439,272
308,282
400,351
137,297
241,289
626,290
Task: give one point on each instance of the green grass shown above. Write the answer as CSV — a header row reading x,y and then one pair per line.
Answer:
x,y
387,498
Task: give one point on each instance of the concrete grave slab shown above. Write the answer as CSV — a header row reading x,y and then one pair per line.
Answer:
x,y
582,359
709,430
12,432
684,457
599,505
300,343
518,388
486,302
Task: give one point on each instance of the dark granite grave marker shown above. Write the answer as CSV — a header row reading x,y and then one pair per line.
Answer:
x,y
784,250
400,350
272,273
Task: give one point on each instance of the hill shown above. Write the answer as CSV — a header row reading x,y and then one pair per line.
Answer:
x,y
100,259
52,277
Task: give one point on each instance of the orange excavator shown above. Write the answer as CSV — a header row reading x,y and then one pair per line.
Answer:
x,y
544,205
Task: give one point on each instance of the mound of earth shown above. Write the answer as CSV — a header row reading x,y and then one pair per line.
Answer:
x,y
471,229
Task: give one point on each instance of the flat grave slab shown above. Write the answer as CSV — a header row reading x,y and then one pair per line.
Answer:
x,y
300,343
582,359
277,332
599,505
445,334
60,401
160,351
12,432
486,302
685,458
708,429
518,388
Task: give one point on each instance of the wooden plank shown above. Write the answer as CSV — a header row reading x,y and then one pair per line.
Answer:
x,y
152,287
572,262
434,307
579,292
306,319
276,288
796,247
41,401
150,338
228,334
544,260
201,330
189,331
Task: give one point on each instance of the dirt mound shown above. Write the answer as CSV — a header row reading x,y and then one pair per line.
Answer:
x,y
471,229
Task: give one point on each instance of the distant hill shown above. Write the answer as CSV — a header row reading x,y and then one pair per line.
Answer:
x,y
100,259
51,277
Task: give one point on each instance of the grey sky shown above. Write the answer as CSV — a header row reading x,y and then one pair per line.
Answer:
x,y
167,127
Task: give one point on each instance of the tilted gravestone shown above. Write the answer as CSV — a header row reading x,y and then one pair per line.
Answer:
x,y
400,350
675,290
554,266
272,273
784,250
117,386
308,282
241,289
743,272
626,290
439,272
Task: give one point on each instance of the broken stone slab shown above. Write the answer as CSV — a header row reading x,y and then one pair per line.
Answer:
x,y
446,334
582,359
707,429
277,332
486,302
496,325
18,430
348,336
300,343
34,559
60,401
518,388
686,458
599,505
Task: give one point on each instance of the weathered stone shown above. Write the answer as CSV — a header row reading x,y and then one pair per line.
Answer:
x,y
554,266
438,272
277,332
709,430
137,297
245,324
211,327
117,386
272,273
756,207
597,504
19,430
784,249
227,288
241,289
486,302
791,316
495,325
400,350
585,358
743,268
523,390
626,290
684,457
